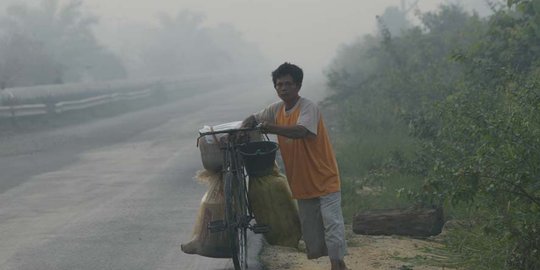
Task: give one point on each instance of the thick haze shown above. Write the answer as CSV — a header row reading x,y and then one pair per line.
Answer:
x,y
306,32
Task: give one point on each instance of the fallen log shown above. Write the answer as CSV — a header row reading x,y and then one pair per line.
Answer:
x,y
419,222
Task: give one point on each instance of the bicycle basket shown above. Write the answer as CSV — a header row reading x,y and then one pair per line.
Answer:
x,y
259,157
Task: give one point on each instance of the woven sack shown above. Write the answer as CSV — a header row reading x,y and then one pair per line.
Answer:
x,y
273,205
204,242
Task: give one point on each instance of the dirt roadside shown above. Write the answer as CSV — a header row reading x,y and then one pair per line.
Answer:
x,y
364,253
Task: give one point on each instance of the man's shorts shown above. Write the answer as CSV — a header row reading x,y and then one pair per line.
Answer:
x,y
323,229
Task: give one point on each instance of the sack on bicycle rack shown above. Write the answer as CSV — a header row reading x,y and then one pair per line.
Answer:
x,y
210,145
204,242
273,205
211,154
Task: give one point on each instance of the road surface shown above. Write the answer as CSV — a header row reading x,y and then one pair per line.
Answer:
x,y
114,193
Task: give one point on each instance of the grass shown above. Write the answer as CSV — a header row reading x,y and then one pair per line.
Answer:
x,y
372,179
358,197
370,164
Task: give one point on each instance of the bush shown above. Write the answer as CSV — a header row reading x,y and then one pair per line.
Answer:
x,y
449,113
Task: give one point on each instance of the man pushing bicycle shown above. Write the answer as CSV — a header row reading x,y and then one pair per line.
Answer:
x,y
310,164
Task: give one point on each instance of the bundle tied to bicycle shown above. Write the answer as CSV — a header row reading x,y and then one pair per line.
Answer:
x,y
269,198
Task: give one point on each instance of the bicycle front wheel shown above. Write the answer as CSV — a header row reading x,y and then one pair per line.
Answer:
x,y
236,214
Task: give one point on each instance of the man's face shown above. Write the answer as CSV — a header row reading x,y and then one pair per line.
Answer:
x,y
287,89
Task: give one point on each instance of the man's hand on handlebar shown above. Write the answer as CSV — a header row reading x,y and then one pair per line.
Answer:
x,y
264,127
249,122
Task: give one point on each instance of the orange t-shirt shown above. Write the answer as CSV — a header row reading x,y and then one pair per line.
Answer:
x,y
310,163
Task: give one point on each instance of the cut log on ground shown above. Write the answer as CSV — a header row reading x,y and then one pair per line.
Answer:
x,y
419,222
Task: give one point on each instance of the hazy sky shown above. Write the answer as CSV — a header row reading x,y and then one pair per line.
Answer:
x,y
306,32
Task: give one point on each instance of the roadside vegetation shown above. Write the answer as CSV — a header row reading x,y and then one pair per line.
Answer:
x,y
447,113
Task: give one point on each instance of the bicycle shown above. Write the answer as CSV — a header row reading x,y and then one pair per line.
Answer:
x,y
238,212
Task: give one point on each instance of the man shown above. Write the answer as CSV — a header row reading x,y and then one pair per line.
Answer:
x,y
310,164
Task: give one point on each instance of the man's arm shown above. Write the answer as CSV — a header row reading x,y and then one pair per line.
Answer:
x,y
266,114
293,132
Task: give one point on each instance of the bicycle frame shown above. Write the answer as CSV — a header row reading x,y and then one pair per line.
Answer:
x,y
238,214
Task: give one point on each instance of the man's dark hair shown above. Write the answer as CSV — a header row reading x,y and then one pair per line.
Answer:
x,y
288,69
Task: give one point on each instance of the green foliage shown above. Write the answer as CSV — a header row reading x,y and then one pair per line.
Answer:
x,y
475,249
383,84
395,20
488,144
457,103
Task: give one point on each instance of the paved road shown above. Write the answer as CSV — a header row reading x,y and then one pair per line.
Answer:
x,y
114,193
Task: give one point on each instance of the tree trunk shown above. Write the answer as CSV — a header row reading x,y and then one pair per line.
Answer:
x,y
419,222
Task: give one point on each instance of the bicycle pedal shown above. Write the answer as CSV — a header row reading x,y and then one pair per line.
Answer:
x,y
217,226
260,228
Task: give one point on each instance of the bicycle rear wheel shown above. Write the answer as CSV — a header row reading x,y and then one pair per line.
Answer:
x,y
236,217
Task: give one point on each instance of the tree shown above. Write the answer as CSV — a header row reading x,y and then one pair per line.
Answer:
x,y
182,45
395,20
24,61
52,43
467,88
